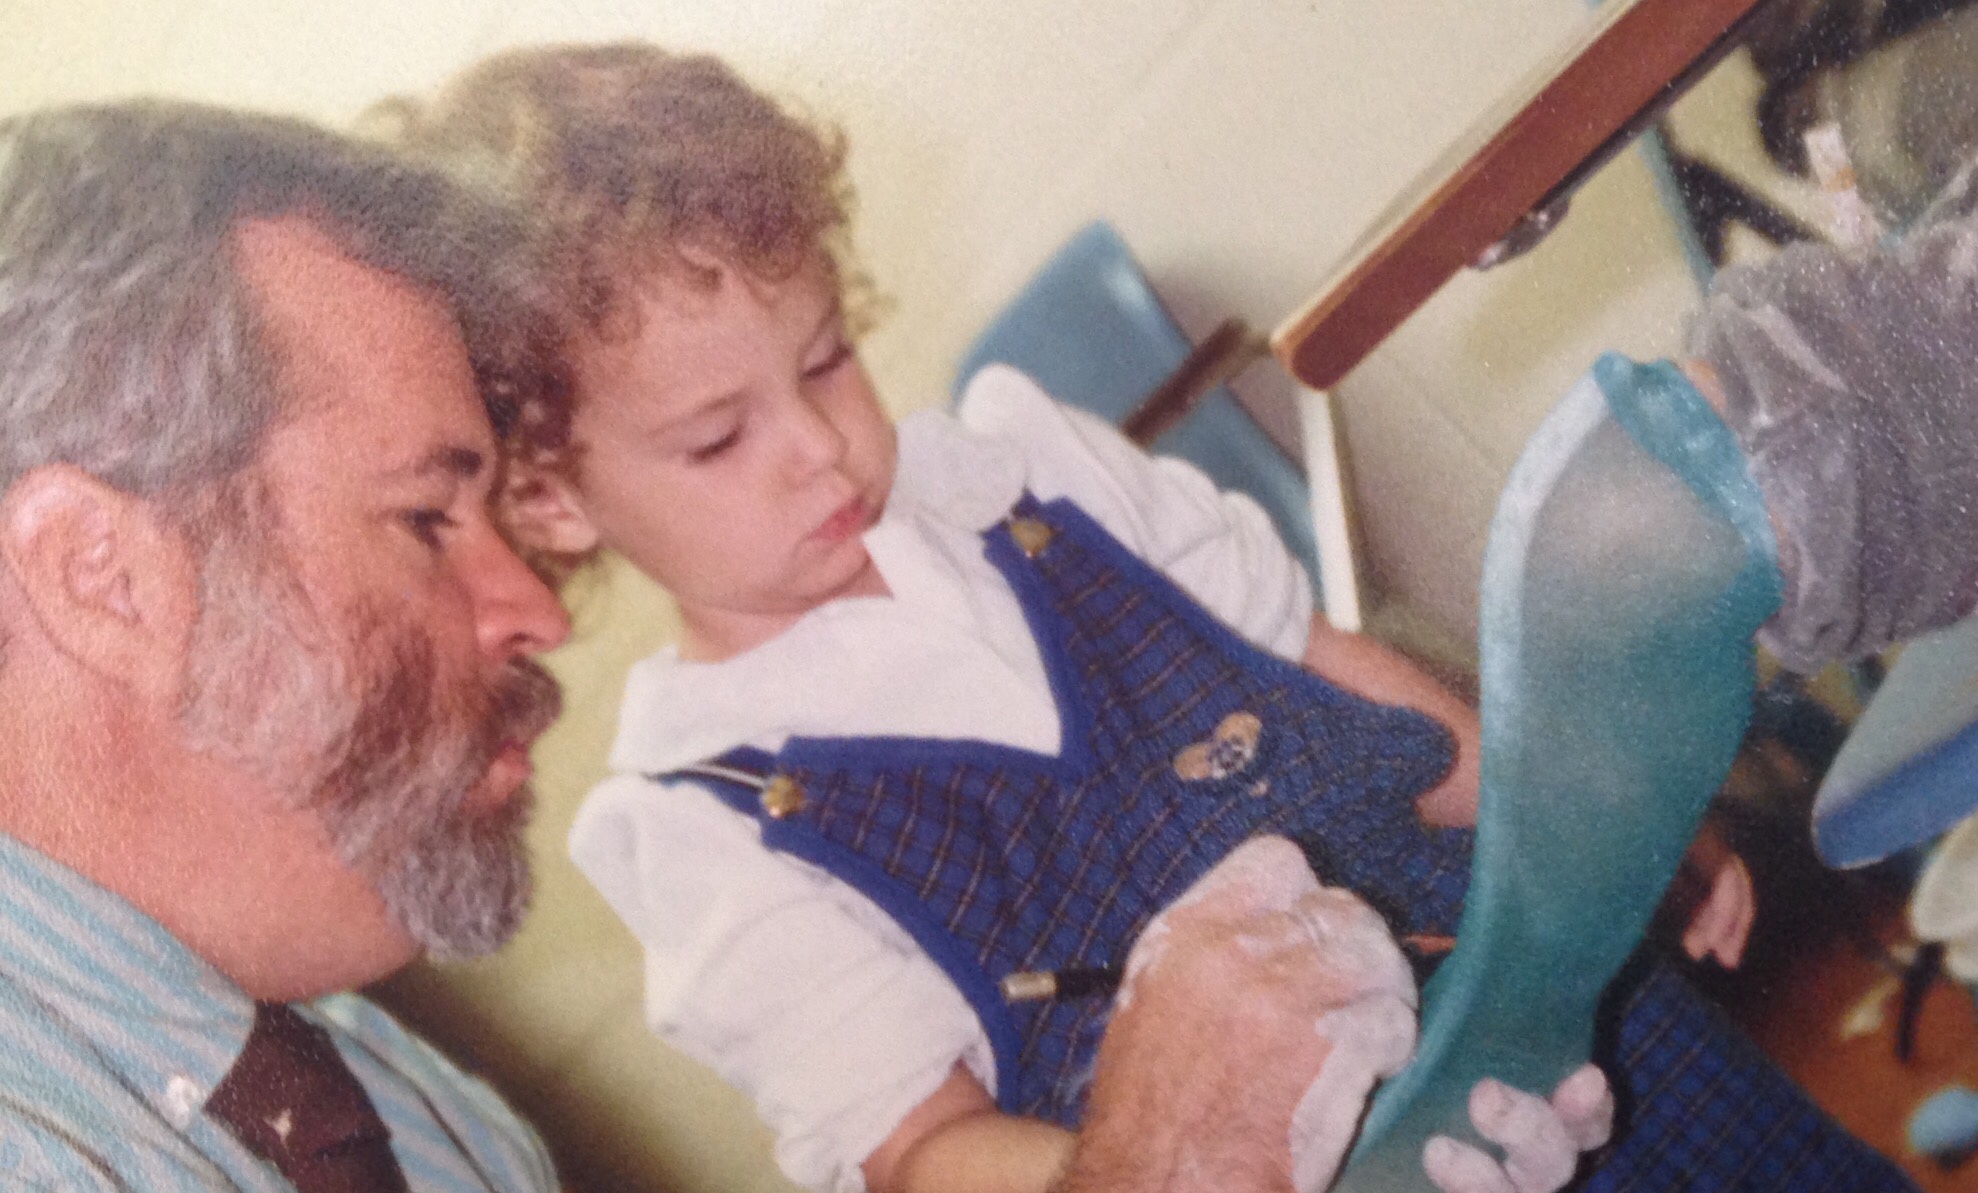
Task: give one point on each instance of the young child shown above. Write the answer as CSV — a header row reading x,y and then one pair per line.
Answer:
x,y
973,697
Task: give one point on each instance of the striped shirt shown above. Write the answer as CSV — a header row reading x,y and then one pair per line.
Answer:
x,y
112,1034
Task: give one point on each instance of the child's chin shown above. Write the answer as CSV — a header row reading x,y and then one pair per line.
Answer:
x,y
859,577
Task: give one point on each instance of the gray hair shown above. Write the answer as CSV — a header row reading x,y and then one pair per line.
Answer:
x,y
129,348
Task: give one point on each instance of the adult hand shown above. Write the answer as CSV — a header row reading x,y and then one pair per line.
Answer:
x,y
1256,1015
1542,1139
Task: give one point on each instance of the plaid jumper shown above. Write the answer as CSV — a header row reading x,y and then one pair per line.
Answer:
x,y
1179,740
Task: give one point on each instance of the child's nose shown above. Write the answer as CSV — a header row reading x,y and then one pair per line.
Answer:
x,y
816,441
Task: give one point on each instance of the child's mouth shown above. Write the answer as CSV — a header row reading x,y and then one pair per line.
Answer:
x,y
847,520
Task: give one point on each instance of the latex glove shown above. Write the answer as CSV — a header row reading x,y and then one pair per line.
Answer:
x,y
1372,1035
1256,1013
1542,1140
1324,965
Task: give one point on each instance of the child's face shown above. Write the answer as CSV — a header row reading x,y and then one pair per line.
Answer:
x,y
734,451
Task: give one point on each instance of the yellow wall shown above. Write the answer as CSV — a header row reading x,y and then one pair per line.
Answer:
x,y
1239,144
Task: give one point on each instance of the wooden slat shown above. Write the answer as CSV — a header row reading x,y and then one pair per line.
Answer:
x,y
1225,353
1505,165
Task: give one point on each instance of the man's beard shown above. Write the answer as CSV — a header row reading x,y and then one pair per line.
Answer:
x,y
360,726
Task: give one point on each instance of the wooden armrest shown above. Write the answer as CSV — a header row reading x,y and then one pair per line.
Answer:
x,y
1223,354
1634,57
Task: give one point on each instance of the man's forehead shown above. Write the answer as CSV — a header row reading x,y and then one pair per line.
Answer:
x,y
360,347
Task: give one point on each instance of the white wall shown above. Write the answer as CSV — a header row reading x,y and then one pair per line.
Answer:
x,y
1241,145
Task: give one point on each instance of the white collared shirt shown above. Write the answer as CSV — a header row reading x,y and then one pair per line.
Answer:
x,y
790,984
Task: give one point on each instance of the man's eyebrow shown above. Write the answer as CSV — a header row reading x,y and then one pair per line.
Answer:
x,y
464,463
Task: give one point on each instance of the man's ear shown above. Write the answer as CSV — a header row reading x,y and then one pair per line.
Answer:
x,y
110,582
539,508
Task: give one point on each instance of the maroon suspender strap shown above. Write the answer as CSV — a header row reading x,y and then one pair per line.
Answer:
x,y
292,1101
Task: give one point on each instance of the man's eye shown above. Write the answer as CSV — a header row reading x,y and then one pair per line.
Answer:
x,y
841,351
428,525
710,450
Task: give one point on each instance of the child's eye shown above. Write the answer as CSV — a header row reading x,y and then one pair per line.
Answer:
x,y
708,451
841,351
428,525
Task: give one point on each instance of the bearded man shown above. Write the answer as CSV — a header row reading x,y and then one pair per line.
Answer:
x,y
265,659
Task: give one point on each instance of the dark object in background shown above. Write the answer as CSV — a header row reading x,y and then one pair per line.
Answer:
x,y
1714,201
1900,76
1792,41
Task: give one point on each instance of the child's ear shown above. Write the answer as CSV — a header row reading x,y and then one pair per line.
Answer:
x,y
110,583
540,509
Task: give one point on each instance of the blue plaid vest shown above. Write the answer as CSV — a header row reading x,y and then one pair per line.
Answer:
x,y
1180,740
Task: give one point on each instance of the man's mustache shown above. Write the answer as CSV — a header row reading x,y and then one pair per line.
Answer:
x,y
525,701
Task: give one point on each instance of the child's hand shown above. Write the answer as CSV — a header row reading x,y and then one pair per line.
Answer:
x,y
1542,1140
1720,925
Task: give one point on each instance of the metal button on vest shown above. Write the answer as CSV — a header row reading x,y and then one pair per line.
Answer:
x,y
1030,535
781,797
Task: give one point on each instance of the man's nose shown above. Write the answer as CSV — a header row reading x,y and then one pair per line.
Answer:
x,y
515,613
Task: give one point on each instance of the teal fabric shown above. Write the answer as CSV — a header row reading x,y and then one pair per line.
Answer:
x,y
1629,563
1905,773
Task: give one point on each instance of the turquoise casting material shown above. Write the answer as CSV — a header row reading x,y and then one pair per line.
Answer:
x,y
1629,562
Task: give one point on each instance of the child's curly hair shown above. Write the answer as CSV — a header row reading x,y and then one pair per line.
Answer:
x,y
623,154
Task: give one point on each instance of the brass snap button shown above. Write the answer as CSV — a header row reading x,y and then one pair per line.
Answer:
x,y
1030,536
781,797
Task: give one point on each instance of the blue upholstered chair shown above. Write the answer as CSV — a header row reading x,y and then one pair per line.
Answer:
x,y
1090,330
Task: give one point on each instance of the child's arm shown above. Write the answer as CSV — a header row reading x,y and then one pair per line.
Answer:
x,y
958,1142
1219,547
1366,667
1258,1012
774,975
1724,905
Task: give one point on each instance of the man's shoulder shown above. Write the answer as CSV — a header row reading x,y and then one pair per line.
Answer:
x,y
90,1096
71,1122
69,1126
42,1153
